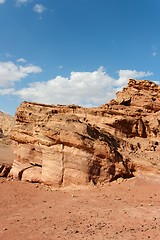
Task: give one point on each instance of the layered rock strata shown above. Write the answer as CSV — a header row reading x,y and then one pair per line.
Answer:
x,y
6,124
64,145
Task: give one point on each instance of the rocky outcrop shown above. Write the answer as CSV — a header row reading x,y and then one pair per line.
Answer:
x,y
6,124
62,149
64,145
136,122
6,152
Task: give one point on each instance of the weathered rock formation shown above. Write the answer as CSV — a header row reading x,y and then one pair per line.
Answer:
x,y
64,145
6,124
6,152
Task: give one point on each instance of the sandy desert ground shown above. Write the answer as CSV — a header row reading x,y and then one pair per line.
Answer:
x,y
127,210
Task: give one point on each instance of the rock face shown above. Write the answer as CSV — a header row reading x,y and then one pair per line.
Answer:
x,y
6,124
6,152
62,149
65,145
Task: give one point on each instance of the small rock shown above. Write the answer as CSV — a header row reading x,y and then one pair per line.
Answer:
x,y
150,204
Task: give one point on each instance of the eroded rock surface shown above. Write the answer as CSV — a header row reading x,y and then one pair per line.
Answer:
x,y
6,124
64,145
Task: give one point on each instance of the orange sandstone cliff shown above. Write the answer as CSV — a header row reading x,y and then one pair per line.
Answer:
x,y
72,145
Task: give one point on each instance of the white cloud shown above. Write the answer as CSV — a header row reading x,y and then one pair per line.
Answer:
x,y
2,1
10,72
21,60
124,75
39,8
81,88
86,88
20,2
6,91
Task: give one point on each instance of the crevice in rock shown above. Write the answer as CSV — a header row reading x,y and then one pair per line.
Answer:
x,y
94,172
36,164
4,170
1,168
130,168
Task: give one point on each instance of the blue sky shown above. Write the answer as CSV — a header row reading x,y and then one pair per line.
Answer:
x,y
75,51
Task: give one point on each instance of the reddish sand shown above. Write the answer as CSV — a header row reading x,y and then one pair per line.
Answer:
x,y
126,211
